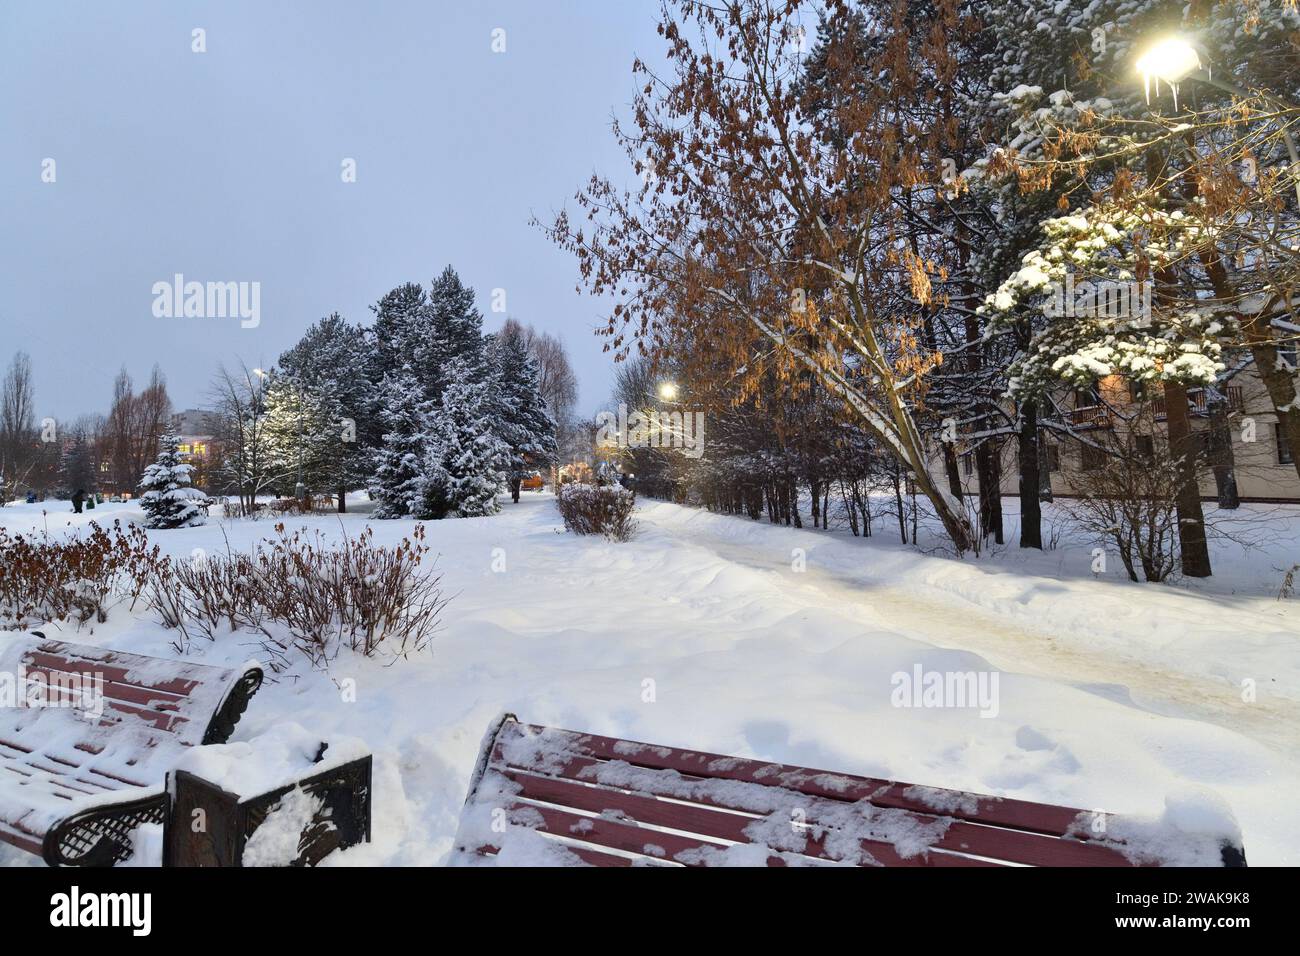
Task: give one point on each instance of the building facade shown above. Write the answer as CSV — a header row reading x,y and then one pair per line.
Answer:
x,y
1235,426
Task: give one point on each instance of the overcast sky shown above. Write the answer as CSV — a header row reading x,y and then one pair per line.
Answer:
x,y
227,166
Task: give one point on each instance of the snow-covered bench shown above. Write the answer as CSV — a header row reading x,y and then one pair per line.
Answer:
x,y
87,736
542,796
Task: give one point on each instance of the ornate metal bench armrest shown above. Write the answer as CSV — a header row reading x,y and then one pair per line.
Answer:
x,y
102,836
223,721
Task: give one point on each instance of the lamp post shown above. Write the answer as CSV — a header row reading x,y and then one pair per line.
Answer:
x,y
1174,59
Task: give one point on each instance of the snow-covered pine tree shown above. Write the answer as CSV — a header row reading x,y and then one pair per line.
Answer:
x,y
465,461
519,413
401,332
455,331
399,482
166,496
326,377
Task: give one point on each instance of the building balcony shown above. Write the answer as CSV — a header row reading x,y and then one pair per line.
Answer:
x,y
1090,416
1198,398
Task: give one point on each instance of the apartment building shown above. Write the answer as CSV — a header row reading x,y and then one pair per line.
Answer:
x,y
1115,411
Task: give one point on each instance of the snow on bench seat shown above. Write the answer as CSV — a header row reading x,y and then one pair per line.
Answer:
x,y
548,797
87,735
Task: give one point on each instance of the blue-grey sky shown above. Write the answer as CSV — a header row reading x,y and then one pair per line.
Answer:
x,y
226,165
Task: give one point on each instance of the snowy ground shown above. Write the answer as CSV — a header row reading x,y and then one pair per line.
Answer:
x,y
1111,695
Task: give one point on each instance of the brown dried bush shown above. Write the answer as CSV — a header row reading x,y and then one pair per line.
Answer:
x,y
77,578
587,509
303,593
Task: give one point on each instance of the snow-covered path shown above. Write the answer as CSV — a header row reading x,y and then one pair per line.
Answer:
x,y
837,573
701,634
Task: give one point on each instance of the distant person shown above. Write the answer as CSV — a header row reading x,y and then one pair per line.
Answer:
x,y
78,497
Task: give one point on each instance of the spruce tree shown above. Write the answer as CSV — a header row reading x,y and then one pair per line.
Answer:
x,y
399,483
401,331
520,418
322,405
465,461
456,330
166,496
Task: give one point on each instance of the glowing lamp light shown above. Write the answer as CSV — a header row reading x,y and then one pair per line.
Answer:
x,y
1171,59
668,391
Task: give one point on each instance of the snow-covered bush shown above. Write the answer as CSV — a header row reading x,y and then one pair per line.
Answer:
x,y
305,594
167,498
75,579
588,509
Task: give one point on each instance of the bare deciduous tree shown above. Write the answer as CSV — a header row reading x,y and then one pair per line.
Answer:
x,y
241,428
135,420
19,441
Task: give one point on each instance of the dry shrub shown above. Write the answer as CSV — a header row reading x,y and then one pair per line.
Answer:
x,y
303,593
1130,502
588,509
77,578
1288,582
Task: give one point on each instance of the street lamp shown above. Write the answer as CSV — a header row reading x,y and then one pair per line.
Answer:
x,y
1174,59
1171,59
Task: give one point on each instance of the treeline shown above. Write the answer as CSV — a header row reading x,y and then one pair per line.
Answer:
x,y
420,408
776,455
43,456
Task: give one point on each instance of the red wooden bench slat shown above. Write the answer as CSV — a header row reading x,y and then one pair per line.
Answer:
x,y
24,842
624,795
962,836
725,827
612,833
120,781
85,665
586,854
161,721
116,690
1020,814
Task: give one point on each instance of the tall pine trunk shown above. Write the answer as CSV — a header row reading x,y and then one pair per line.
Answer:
x,y
989,468
1221,457
1195,551
1031,509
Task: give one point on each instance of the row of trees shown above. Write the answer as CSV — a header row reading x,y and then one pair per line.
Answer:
x,y
421,408
766,451
884,212
89,453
